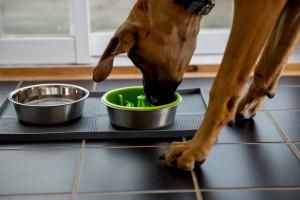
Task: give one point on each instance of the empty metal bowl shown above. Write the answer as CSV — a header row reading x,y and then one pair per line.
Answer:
x,y
48,103
136,115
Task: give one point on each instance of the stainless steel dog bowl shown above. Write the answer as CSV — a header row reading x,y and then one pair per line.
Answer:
x,y
48,103
153,117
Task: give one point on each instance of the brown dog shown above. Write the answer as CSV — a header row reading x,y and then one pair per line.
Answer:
x,y
160,38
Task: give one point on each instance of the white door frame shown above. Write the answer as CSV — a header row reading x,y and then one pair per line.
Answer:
x,y
55,50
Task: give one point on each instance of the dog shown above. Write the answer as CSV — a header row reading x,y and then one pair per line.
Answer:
x,y
160,36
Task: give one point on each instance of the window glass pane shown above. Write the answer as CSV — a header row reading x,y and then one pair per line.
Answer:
x,y
107,15
34,18
220,16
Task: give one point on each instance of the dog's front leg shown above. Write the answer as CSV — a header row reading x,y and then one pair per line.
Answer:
x,y
252,24
279,47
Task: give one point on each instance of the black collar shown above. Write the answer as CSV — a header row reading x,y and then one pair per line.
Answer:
x,y
200,7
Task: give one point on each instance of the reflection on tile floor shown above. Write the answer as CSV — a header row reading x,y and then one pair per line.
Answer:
x,y
285,98
37,171
252,160
289,122
130,169
251,165
259,129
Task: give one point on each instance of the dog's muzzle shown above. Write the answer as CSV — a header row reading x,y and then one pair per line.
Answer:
x,y
159,93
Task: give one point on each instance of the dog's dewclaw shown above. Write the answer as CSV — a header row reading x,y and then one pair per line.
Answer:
x,y
141,101
121,100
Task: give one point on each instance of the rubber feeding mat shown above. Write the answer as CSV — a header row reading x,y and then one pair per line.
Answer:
x,y
94,123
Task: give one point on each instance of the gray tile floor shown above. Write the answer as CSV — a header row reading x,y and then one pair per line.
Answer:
x,y
34,171
256,160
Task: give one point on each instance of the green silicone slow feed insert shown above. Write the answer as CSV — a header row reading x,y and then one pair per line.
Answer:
x,y
133,98
141,101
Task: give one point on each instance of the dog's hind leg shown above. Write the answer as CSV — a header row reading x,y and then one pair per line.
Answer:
x,y
280,45
252,24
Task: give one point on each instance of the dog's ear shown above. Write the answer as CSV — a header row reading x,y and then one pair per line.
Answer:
x,y
121,42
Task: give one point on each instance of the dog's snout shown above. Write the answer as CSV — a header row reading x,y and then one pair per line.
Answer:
x,y
153,100
159,99
159,93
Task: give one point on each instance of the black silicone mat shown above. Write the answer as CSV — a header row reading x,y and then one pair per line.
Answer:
x,y
94,124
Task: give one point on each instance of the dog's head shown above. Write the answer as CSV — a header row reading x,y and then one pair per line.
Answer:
x,y
160,39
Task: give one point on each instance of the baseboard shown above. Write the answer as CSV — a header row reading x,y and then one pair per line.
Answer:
x,y
83,72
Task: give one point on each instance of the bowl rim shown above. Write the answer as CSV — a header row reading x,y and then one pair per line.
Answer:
x,y
11,94
112,105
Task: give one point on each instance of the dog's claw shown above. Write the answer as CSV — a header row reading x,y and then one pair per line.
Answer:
x,y
183,155
173,163
231,123
270,95
199,163
240,118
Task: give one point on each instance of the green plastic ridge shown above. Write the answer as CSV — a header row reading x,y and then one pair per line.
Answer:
x,y
127,98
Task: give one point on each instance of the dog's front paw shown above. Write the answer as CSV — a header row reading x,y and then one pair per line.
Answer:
x,y
183,155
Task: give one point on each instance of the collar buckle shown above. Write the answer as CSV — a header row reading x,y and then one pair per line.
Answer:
x,y
205,10
200,7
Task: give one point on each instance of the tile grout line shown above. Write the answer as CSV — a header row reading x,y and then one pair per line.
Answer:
x,y
35,194
196,185
191,190
281,109
155,146
297,152
78,171
94,87
165,191
248,143
166,145
127,146
32,148
195,182
251,189
139,192
283,135
76,147
19,84
279,130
